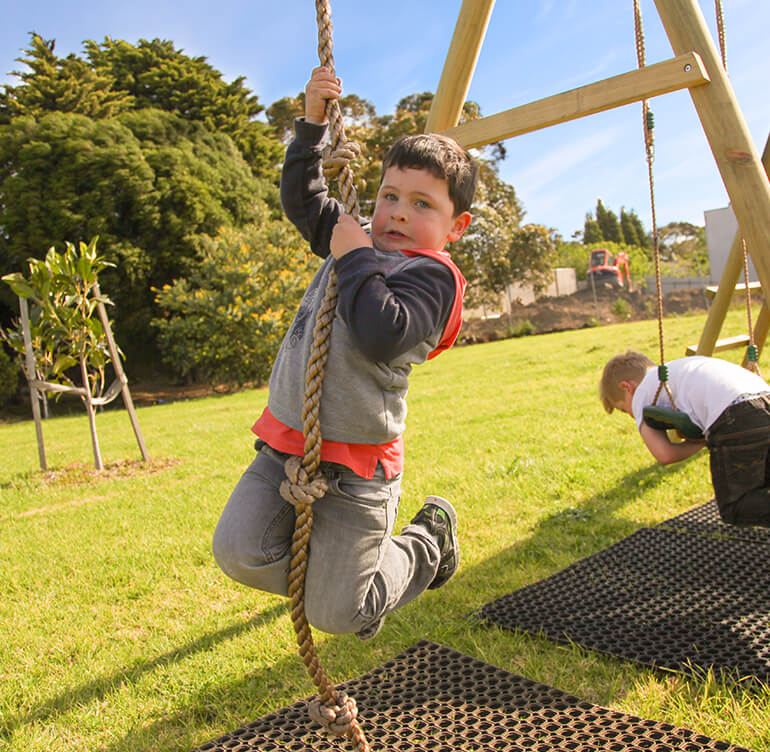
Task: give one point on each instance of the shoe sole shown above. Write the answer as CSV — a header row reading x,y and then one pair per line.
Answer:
x,y
447,507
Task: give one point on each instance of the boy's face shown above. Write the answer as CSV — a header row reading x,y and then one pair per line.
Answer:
x,y
413,210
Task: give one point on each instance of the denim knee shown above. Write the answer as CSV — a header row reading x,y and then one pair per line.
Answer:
x,y
333,614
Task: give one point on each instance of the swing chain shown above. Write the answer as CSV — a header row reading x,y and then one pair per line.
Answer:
x,y
752,351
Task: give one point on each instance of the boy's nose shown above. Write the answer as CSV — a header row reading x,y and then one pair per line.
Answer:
x,y
398,214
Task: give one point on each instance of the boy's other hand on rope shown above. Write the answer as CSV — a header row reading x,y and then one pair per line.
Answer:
x,y
347,236
322,86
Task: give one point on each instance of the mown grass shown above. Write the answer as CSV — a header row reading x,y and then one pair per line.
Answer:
x,y
118,632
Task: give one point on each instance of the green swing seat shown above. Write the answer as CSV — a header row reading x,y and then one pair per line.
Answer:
x,y
665,418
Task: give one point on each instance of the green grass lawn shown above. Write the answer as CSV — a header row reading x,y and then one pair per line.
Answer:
x,y
118,631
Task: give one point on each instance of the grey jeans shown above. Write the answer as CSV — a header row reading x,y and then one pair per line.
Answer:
x,y
357,570
739,452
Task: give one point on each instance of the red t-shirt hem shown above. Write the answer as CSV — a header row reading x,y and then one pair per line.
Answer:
x,y
362,459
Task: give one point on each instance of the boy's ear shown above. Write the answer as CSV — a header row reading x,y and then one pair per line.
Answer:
x,y
459,226
628,386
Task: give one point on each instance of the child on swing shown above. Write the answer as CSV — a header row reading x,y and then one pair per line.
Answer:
x,y
730,404
400,302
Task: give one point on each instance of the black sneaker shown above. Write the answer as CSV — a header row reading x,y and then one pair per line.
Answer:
x,y
439,518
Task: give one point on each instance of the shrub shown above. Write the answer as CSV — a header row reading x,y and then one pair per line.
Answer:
x,y
621,308
225,321
521,329
9,377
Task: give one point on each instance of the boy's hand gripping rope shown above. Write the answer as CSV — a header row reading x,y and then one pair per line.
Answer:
x,y
303,485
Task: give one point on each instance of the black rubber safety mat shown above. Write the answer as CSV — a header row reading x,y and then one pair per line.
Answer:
x,y
431,698
705,520
660,597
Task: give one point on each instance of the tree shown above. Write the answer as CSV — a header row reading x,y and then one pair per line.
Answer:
x,y
482,252
9,377
158,76
641,233
117,76
608,223
223,322
66,333
147,183
591,231
686,241
55,84
628,229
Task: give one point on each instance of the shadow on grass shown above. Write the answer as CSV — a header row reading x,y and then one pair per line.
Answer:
x,y
106,685
571,533
231,700
567,535
243,701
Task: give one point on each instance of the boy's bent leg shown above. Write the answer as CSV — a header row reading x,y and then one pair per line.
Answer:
x,y
357,572
252,540
739,454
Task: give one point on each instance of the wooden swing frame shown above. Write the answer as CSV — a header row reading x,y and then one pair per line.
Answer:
x,y
697,67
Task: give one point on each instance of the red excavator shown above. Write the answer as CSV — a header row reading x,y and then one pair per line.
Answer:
x,y
604,267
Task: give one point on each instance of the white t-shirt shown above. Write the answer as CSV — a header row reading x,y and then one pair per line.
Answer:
x,y
702,387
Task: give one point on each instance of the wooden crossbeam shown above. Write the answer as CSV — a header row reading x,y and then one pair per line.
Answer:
x,y
681,72
712,290
728,343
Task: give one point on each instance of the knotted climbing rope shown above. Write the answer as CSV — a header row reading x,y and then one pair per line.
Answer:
x,y
303,485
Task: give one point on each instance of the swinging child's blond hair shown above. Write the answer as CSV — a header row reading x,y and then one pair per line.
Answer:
x,y
628,366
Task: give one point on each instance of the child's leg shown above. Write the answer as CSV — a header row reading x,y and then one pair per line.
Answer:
x,y
739,451
752,508
252,540
357,571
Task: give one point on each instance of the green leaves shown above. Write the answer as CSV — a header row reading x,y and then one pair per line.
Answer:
x,y
65,329
224,322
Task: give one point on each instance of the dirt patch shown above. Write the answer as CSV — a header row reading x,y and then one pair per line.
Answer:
x,y
610,305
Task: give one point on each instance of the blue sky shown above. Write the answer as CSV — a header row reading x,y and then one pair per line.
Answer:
x,y
384,51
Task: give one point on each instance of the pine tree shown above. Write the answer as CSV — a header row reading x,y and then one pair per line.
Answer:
x,y
644,237
608,223
592,233
157,75
628,229
55,84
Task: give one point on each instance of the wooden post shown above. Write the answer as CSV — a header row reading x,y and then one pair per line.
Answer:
x,y
120,373
31,379
726,130
728,280
459,65
91,415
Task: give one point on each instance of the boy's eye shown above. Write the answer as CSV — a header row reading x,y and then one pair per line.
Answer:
x,y
422,203
389,196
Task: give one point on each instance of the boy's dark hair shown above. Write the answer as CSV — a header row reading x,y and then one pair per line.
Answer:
x,y
441,156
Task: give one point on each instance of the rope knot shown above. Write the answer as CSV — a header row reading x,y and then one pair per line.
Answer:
x,y
299,488
336,159
337,718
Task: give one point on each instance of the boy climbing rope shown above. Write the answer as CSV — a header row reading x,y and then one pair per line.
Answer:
x,y
400,303
730,404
